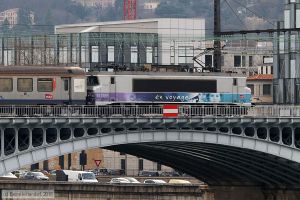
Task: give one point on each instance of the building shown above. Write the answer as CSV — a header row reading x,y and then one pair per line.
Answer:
x,y
12,16
110,160
242,56
131,165
151,5
165,41
261,88
131,44
96,3
287,58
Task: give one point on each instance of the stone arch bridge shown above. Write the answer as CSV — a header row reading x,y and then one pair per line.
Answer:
x,y
219,145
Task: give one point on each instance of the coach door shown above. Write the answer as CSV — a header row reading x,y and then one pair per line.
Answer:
x,y
66,90
112,89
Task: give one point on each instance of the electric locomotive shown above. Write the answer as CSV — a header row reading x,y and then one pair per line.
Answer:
x,y
167,87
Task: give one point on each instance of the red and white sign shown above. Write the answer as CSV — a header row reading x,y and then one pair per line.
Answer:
x,y
48,96
170,111
97,162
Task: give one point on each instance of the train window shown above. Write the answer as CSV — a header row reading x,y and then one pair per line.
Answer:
x,y
177,85
6,85
92,81
235,82
25,85
66,85
112,80
45,85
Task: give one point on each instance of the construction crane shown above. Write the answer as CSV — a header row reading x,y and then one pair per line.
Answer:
x,y
129,9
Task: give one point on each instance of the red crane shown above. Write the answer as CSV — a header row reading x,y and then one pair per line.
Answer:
x,y
130,9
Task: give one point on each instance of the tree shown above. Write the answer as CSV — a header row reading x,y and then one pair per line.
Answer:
x,y
24,22
5,27
48,22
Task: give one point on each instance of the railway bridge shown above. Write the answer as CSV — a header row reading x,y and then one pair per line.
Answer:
x,y
220,145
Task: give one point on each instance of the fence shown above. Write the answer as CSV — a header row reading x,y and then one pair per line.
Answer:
x,y
118,111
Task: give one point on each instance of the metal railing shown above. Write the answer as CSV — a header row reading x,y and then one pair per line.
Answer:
x,y
146,111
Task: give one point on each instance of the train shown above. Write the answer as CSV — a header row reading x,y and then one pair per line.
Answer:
x,y
36,85
55,85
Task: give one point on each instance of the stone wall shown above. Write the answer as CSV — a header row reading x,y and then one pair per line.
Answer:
x,y
76,191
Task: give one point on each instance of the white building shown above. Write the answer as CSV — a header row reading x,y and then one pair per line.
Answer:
x,y
151,5
179,40
12,16
96,3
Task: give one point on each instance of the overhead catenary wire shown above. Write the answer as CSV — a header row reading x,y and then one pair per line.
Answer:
x,y
241,21
256,14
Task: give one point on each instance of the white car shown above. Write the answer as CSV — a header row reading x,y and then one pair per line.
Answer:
x,y
76,176
132,180
9,175
119,180
179,181
154,181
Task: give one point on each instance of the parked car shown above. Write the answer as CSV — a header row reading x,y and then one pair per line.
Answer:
x,y
116,172
154,181
19,173
9,175
168,174
76,176
53,172
149,173
132,180
36,176
179,181
45,172
119,180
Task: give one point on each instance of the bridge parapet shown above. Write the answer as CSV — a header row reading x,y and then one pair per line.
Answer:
x,y
76,191
147,111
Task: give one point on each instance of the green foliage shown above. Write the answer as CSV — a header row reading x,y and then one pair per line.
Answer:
x,y
231,18
168,9
55,12
24,22
112,12
5,28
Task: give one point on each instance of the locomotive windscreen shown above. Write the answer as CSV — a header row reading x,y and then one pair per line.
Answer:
x,y
178,85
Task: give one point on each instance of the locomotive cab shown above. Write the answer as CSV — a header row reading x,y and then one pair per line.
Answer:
x,y
93,85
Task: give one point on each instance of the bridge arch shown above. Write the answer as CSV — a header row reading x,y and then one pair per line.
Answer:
x,y
216,155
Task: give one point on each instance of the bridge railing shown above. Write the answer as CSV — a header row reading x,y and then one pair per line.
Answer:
x,y
118,111
275,111
147,111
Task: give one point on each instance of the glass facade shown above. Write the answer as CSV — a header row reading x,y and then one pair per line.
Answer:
x,y
88,50
286,85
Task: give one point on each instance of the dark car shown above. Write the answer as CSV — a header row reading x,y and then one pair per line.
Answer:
x,y
149,173
115,172
173,173
36,176
100,172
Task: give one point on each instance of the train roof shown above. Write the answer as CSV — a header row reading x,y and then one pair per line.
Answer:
x,y
194,74
41,70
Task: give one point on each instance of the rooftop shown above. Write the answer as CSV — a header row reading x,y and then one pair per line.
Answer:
x,y
261,77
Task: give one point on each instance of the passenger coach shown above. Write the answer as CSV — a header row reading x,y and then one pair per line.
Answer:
x,y
29,85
